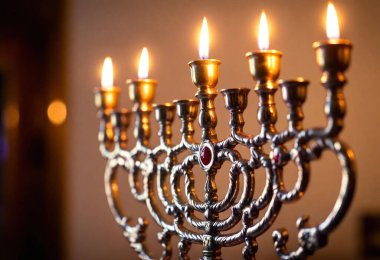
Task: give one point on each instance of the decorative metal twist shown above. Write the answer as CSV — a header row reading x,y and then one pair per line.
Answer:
x,y
211,153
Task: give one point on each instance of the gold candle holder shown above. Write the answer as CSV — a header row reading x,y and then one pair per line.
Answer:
x,y
107,99
141,93
204,74
333,57
264,67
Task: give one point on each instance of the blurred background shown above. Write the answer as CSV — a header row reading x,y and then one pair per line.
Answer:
x,y
52,201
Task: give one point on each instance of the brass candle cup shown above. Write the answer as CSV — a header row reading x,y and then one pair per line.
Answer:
x,y
164,112
107,99
333,55
187,111
204,74
294,94
187,108
141,93
235,99
264,65
294,91
120,122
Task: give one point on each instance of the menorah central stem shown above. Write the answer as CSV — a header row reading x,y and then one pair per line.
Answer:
x,y
207,116
204,74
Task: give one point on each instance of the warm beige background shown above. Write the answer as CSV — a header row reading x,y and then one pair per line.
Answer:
x,y
120,28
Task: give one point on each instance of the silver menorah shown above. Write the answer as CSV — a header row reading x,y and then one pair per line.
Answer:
x,y
333,58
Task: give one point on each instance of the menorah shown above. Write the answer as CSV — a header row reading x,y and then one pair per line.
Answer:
x,y
178,217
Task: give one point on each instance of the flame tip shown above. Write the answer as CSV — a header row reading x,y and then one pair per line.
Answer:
x,y
332,23
263,32
204,40
107,73
143,70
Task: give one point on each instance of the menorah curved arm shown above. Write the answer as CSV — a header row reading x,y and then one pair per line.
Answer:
x,y
313,237
134,234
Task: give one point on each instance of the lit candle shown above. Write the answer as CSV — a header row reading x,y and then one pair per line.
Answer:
x,y
141,93
264,66
141,90
334,53
204,41
143,71
204,72
107,74
332,24
204,75
263,37
333,58
107,96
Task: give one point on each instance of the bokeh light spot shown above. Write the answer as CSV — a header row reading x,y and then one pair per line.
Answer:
x,y
57,112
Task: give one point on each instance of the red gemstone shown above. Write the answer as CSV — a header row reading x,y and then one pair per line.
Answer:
x,y
276,158
206,155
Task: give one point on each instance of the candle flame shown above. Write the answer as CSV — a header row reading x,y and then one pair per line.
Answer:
x,y
204,40
144,64
107,73
332,24
263,32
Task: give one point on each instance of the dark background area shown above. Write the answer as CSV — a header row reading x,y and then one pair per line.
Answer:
x,y
31,151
